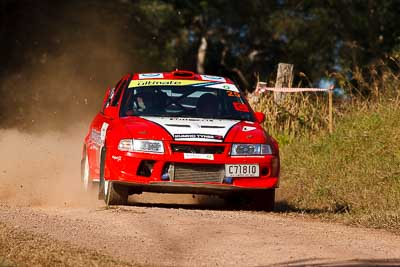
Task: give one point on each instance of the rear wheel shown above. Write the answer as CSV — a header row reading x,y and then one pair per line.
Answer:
x,y
87,183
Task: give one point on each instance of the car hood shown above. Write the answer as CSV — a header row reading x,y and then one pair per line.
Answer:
x,y
140,128
194,129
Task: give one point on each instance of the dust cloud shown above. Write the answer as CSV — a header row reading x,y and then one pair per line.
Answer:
x,y
48,101
39,169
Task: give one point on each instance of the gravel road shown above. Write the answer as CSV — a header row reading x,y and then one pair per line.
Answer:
x,y
185,235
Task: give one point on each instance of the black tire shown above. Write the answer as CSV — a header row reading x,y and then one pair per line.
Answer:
x,y
117,194
262,200
101,180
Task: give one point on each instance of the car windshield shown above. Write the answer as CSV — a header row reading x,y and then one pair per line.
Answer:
x,y
199,101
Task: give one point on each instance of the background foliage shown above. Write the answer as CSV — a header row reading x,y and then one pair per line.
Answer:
x,y
57,50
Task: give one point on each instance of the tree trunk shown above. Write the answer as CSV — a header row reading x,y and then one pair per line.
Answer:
x,y
201,55
284,78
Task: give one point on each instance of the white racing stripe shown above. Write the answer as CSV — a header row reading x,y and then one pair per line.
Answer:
x,y
194,129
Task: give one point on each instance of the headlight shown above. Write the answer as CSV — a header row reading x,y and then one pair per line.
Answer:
x,y
250,149
134,145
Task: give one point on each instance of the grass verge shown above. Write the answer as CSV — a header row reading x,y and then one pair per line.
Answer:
x,y
352,175
22,248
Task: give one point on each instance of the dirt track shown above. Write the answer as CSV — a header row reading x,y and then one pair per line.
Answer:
x,y
46,219
184,235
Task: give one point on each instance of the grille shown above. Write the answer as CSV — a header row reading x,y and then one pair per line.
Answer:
x,y
197,149
199,173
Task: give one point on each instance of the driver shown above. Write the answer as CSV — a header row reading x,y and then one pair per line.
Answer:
x,y
207,105
151,102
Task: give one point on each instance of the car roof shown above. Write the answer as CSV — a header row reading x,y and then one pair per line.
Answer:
x,y
180,75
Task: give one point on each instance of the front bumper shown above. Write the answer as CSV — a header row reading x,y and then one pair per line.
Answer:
x,y
149,172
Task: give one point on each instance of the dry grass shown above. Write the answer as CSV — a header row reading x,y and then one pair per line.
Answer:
x,y
298,114
352,175
376,82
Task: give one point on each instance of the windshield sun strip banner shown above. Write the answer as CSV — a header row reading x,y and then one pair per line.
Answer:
x,y
143,83
159,82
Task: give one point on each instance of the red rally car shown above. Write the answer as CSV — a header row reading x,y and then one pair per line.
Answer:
x,y
180,132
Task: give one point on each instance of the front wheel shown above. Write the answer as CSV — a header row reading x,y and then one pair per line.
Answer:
x,y
112,193
115,194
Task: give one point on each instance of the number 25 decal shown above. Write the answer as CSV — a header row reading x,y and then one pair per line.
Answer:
x,y
231,93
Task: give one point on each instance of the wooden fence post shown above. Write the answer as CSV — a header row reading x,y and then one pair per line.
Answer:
x,y
330,110
284,78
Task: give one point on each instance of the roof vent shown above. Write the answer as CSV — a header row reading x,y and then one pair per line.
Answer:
x,y
183,74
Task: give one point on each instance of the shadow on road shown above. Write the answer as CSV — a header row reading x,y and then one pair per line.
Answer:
x,y
174,201
283,207
203,202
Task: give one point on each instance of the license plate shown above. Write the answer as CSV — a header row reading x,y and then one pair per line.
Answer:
x,y
242,170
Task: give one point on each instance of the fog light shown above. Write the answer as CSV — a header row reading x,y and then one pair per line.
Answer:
x,y
264,171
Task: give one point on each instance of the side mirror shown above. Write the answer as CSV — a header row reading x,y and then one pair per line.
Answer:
x,y
260,117
111,112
